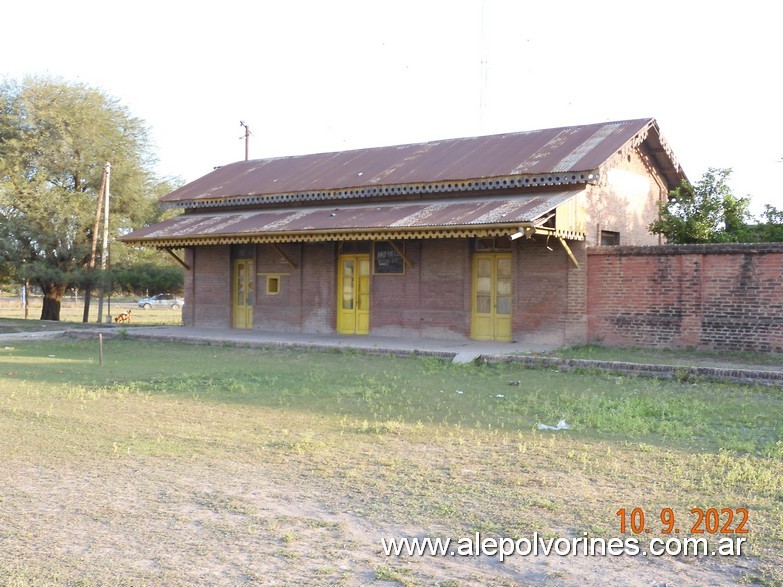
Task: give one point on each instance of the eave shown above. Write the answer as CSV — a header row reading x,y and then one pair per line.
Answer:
x,y
554,212
456,187
351,235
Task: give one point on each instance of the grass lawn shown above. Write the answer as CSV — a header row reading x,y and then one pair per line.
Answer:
x,y
71,313
213,465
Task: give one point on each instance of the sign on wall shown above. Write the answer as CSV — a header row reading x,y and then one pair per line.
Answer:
x,y
387,258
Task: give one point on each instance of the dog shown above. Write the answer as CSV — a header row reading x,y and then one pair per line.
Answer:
x,y
123,317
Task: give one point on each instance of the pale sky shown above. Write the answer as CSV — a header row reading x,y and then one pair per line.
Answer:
x,y
311,76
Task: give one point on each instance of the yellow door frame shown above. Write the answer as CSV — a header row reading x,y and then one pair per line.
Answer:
x,y
242,291
353,294
491,299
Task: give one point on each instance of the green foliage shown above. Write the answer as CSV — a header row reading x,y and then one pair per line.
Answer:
x,y
769,228
55,138
709,212
705,213
148,279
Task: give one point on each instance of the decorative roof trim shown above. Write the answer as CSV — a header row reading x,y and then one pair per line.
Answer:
x,y
333,236
643,136
508,182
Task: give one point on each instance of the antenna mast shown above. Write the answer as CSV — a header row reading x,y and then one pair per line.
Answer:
x,y
484,48
247,138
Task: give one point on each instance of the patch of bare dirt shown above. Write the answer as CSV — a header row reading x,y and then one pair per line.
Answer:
x,y
156,522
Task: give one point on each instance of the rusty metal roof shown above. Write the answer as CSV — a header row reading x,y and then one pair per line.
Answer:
x,y
557,156
296,223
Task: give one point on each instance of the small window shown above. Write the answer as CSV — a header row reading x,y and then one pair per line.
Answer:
x,y
354,247
272,286
493,243
242,251
610,238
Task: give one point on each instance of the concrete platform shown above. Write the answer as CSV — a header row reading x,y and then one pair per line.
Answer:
x,y
462,350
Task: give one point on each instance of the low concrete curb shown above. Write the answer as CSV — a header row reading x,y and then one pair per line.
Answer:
x,y
245,343
12,336
679,372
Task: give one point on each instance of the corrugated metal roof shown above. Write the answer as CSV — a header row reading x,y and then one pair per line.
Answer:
x,y
356,217
569,150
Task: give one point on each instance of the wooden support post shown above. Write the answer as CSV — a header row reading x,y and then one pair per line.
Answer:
x,y
283,255
180,261
569,251
401,253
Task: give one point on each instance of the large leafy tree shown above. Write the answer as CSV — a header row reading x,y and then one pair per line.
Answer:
x,y
55,138
707,212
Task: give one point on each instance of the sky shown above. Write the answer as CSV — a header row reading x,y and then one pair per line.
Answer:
x,y
312,76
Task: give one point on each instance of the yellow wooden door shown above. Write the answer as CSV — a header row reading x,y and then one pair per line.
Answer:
x,y
243,282
491,307
353,294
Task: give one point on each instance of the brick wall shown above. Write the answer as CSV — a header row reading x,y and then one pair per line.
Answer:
x,y
713,297
319,287
540,291
208,287
445,275
395,299
306,300
281,311
432,299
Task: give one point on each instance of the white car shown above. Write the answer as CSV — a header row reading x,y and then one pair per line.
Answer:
x,y
162,300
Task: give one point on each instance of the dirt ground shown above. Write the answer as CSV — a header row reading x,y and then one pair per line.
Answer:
x,y
149,521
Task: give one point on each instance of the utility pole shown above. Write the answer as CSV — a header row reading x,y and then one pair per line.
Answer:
x,y
25,302
93,251
247,139
105,249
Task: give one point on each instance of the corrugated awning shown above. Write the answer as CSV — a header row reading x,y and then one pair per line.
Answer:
x,y
442,218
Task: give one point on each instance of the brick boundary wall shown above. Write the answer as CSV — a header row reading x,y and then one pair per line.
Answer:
x,y
724,297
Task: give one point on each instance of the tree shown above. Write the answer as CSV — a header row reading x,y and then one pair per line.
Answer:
x,y
708,212
55,138
769,228
148,278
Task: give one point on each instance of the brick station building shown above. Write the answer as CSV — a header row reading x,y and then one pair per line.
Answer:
x,y
481,237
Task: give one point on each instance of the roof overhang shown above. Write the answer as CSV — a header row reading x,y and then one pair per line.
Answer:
x,y
476,186
441,218
469,166
661,153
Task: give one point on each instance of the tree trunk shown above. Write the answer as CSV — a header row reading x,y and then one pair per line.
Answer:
x,y
87,295
86,312
53,295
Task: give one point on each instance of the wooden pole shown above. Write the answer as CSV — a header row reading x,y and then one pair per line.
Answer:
x,y
100,347
93,250
105,249
106,242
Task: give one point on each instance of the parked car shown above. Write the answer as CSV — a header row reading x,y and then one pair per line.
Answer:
x,y
162,300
